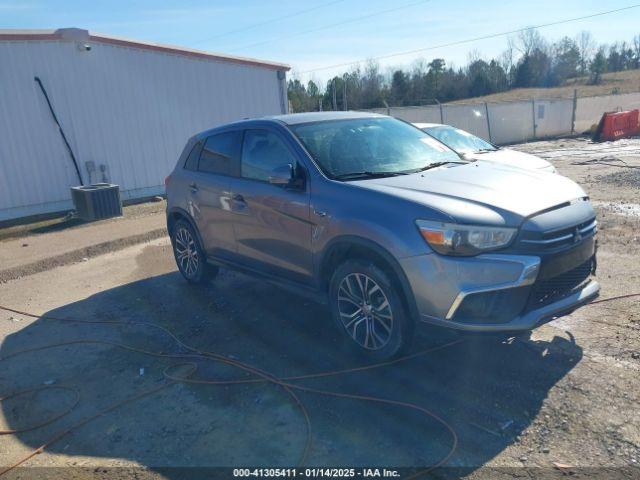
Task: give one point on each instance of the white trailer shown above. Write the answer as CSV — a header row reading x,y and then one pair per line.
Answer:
x,y
125,107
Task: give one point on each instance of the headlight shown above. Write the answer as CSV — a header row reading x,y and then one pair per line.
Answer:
x,y
464,240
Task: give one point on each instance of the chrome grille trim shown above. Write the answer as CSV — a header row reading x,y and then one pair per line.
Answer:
x,y
549,241
592,226
584,230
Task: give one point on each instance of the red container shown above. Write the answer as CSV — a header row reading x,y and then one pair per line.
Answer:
x,y
615,125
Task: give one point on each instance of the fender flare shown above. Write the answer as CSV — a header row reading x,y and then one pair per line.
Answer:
x,y
184,214
379,250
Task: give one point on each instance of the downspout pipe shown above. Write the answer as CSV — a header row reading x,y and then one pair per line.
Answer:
x,y
64,137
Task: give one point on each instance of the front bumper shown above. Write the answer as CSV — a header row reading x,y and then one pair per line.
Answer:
x,y
531,319
499,292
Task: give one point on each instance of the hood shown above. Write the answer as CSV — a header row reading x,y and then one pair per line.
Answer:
x,y
512,157
460,190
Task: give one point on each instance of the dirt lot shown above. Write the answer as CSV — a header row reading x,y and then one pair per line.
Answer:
x,y
568,396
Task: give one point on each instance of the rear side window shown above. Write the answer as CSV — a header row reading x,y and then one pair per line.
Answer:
x,y
219,153
262,151
192,160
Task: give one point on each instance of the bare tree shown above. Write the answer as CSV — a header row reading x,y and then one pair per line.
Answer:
x,y
528,41
586,47
507,57
473,56
419,67
636,51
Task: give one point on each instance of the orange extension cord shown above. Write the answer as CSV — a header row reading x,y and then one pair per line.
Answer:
x,y
263,376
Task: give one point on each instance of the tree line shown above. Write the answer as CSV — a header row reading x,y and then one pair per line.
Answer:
x,y
528,61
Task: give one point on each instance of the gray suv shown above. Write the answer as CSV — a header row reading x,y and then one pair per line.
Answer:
x,y
385,224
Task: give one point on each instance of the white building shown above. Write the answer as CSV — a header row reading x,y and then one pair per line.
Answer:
x,y
126,108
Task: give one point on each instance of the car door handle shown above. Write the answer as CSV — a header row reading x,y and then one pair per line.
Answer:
x,y
319,213
193,187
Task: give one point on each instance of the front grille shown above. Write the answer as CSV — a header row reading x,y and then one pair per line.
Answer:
x,y
556,239
552,289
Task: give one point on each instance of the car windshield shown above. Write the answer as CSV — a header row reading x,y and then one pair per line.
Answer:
x,y
459,140
370,146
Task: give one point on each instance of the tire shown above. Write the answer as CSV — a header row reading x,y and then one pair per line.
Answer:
x,y
189,254
374,324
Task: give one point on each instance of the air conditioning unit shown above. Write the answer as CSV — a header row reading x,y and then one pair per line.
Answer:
x,y
97,201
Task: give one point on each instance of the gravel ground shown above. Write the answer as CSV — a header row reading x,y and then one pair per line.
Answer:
x,y
565,399
610,173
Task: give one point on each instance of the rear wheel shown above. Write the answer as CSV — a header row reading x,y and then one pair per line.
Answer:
x,y
189,254
368,309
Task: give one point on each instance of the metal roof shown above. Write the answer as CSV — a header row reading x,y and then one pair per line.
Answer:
x,y
81,35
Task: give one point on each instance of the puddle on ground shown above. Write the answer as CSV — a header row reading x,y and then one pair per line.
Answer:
x,y
627,209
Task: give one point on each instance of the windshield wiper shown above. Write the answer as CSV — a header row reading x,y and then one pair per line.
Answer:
x,y
379,174
434,165
486,150
368,174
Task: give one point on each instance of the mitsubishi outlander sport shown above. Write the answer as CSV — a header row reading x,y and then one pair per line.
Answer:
x,y
384,223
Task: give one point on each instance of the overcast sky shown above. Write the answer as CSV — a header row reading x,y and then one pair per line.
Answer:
x,y
311,40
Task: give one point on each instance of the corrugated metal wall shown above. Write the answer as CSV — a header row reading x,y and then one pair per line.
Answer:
x,y
127,109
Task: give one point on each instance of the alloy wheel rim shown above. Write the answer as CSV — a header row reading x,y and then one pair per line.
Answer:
x,y
365,311
186,252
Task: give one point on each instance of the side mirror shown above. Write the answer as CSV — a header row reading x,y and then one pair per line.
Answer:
x,y
282,175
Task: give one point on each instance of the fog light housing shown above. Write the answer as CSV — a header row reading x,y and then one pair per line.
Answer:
x,y
497,306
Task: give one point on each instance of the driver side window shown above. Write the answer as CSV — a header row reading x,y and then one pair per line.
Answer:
x,y
262,151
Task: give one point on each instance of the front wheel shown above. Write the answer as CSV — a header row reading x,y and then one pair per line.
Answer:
x,y
189,254
368,309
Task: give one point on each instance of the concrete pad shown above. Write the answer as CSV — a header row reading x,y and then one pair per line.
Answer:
x,y
36,253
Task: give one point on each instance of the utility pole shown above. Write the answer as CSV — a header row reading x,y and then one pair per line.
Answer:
x,y
344,95
573,113
533,110
486,111
335,100
441,110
